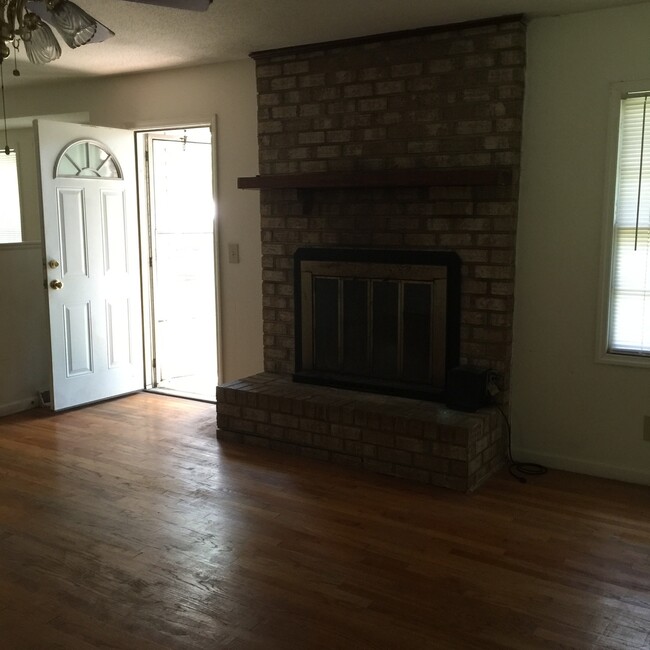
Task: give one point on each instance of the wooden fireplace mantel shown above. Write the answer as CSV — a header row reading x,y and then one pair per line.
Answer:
x,y
466,177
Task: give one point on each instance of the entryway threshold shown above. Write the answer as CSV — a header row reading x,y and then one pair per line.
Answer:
x,y
184,395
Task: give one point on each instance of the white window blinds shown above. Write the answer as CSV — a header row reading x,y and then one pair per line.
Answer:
x,y
10,225
629,331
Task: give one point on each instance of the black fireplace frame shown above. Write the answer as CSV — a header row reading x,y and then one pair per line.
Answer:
x,y
450,260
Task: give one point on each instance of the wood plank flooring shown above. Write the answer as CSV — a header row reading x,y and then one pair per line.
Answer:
x,y
127,525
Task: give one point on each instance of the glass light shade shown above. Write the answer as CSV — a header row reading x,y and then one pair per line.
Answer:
x,y
42,46
73,23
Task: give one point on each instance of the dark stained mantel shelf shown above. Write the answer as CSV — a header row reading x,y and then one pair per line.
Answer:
x,y
467,177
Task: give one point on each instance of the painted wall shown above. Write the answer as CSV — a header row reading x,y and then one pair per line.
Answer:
x,y
568,411
179,97
23,327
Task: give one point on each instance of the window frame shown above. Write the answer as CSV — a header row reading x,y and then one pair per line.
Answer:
x,y
618,92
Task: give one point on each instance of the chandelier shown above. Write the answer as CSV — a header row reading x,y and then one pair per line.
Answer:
x,y
27,22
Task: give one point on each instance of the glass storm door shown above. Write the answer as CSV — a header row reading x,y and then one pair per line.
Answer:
x,y
182,211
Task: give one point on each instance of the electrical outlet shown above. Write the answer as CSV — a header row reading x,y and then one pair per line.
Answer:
x,y
646,428
493,383
233,253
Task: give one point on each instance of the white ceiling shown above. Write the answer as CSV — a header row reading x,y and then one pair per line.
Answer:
x,y
149,37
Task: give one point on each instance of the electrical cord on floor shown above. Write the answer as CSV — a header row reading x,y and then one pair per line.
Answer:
x,y
517,469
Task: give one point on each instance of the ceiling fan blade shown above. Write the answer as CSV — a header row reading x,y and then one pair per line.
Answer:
x,y
40,9
192,5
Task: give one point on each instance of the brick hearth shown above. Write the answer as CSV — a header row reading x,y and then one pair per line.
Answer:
x,y
402,437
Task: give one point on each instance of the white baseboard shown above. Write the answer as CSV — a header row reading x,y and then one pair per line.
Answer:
x,y
626,474
17,407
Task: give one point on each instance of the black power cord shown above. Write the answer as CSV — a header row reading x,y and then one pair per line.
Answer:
x,y
517,469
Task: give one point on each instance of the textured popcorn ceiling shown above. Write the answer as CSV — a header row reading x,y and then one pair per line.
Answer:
x,y
149,37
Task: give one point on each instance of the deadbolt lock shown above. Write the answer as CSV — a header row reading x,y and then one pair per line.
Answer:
x,y
56,284
53,264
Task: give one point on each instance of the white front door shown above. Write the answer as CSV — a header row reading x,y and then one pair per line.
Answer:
x,y
90,236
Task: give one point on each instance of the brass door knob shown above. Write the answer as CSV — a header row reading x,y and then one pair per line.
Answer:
x,y
56,284
53,264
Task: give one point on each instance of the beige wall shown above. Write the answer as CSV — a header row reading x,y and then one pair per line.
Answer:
x,y
569,411
23,328
181,97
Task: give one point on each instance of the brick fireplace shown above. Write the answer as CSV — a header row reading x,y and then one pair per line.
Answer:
x,y
403,141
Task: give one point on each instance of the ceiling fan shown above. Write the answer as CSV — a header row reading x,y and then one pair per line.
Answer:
x,y
28,22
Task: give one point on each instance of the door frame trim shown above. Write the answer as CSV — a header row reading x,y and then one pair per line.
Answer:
x,y
140,132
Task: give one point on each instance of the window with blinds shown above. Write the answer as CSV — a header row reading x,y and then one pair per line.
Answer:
x,y
629,318
10,223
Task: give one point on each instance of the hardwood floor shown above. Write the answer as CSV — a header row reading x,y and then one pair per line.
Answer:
x,y
126,525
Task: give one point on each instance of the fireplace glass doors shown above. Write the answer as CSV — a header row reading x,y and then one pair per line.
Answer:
x,y
383,321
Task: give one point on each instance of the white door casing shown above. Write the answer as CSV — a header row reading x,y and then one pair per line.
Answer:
x,y
90,238
181,231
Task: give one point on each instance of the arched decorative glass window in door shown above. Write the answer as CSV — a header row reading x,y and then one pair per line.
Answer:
x,y
87,159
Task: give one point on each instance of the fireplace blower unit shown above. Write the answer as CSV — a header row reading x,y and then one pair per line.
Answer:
x,y
468,388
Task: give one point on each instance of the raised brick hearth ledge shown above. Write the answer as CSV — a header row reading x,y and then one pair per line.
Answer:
x,y
398,436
